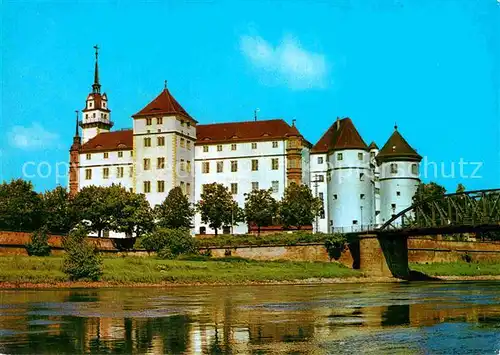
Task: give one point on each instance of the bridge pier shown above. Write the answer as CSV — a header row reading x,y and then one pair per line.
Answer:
x,y
384,256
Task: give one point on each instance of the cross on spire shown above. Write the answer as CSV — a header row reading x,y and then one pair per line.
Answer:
x,y
96,87
165,85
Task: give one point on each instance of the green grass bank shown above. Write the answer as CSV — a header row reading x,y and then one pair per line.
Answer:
x,y
461,268
150,270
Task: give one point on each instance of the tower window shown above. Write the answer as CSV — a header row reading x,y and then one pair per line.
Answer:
x,y
183,143
361,177
377,191
149,121
321,178
182,123
93,115
147,164
88,156
394,168
105,173
205,148
131,171
335,197
355,222
372,155
362,196
275,144
414,169
234,166
398,193
90,105
393,206
160,141
234,188
183,187
106,155
183,168
188,166
160,186
86,115
147,142
159,120
205,167
219,147
188,124
147,186
160,163
320,160
188,189
360,156
340,156
188,145
220,166
255,165
88,174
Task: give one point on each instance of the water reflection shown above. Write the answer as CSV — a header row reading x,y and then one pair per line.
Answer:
x,y
410,318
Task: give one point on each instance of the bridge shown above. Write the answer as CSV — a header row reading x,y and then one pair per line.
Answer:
x,y
383,251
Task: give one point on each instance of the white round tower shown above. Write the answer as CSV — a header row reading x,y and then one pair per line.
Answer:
x,y
349,186
399,175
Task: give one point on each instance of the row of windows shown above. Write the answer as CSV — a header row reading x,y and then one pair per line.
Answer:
x,y
235,146
160,142
159,120
205,167
120,172
160,187
233,187
185,165
91,104
105,155
103,115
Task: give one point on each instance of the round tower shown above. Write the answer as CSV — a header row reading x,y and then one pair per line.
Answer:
x,y
96,116
349,185
399,175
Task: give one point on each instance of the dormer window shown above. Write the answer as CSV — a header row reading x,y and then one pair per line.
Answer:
x,y
149,121
104,104
90,104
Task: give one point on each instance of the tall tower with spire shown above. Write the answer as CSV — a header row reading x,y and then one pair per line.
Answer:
x,y
74,160
96,116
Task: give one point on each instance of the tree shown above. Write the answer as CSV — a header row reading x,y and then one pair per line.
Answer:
x,y
427,191
57,211
299,207
20,206
169,243
217,207
175,211
260,208
81,260
39,244
130,213
460,188
92,203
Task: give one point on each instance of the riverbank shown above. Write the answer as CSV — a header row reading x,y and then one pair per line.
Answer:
x,y
38,272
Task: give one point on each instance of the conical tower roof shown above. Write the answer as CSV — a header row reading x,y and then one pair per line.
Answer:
x,y
373,145
397,148
341,135
163,104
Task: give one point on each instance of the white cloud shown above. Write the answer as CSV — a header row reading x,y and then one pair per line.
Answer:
x,y
286,62
32,137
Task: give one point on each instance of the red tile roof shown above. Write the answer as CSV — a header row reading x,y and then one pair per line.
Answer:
x,y
341,135
117,140
244,131
164,104
397,148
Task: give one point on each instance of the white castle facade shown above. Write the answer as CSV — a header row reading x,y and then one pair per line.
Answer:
x,y
360,185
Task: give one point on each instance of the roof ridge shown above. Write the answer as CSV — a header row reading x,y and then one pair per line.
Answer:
x,y
249,121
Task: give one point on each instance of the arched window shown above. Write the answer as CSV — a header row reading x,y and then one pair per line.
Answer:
x,y
394,168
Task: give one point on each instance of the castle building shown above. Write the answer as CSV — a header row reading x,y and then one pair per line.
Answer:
x,y
360,186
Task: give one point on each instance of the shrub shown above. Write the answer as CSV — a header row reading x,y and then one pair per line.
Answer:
x,y
39,244
169,243
82,260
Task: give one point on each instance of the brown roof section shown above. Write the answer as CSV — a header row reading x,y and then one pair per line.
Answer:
x,y
97,103
373,145
117,140
244,131
163,104
341,135
397,148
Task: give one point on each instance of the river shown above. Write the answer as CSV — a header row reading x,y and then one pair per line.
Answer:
x,y
408,318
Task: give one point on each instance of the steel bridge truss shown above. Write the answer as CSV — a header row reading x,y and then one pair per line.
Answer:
x,y
465,211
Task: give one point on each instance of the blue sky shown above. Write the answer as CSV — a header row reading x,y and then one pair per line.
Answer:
x,y
432,66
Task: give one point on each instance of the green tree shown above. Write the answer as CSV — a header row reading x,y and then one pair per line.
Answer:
x,y
299,207
130,213
20,206
57,211
39,243
175,211
81,260
217,207
92,204
431,190
460,188
169,243
260,208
